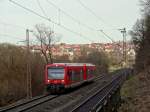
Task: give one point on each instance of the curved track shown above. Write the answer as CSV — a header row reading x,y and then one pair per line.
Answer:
x,y
96,99
77,98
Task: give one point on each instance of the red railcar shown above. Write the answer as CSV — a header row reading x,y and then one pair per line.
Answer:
x,y
59,76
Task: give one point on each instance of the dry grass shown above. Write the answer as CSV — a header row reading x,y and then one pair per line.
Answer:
x,y
13,73
136,93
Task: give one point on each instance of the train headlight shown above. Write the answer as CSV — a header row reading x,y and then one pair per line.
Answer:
x,y
62,81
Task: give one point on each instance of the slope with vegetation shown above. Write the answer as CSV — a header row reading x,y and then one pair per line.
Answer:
x,y
136,91
13,73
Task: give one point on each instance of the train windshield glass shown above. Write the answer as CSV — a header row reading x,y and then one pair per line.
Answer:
x,y
56,73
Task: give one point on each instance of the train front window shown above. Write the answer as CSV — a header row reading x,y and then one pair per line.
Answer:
x,y
56,73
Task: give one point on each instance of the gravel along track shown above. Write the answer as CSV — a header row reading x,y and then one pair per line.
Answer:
x,y
67,101
64,102
29,104
97,97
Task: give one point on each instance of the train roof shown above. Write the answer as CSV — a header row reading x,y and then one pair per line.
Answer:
x,y
74,64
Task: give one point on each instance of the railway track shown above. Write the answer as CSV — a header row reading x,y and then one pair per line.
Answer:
x,y
55,102
28,104
95,102
33,102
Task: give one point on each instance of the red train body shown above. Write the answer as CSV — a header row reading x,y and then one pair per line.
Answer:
x,y
59,76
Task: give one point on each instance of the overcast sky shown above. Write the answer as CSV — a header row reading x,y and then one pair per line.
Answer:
x,y
113,14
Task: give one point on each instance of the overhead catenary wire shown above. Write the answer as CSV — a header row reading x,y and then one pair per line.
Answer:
x,y
4,35
94,14
59,14
70,16
48,19
109,37
106,35
80,23
89,10
12,25
43,11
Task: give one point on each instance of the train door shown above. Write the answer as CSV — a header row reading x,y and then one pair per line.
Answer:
x,y
90,72
75,75
70,71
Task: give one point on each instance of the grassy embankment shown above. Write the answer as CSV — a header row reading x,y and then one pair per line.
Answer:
x,y
136,95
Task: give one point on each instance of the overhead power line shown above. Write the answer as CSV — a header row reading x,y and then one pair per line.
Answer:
x,y
93,13
42,9
89,10
70,16
106,35
80,23
98,18
12,25
109,37
48,19
38,2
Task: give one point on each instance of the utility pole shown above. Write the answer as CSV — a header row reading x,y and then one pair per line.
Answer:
x,y
29,84
123,31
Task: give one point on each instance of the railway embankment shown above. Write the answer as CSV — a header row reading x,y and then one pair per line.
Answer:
x,y
72,98
136,94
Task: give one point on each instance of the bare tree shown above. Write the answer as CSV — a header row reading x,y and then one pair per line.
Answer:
x,y
46,38
140,36
138,32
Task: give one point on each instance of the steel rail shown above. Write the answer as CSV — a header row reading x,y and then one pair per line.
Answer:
x,y
29,104
79,106
24,101
115,86
13,106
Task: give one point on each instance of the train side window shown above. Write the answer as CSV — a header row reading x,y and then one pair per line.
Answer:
x,y
81,71
74,76
81,74
90,72
70,74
